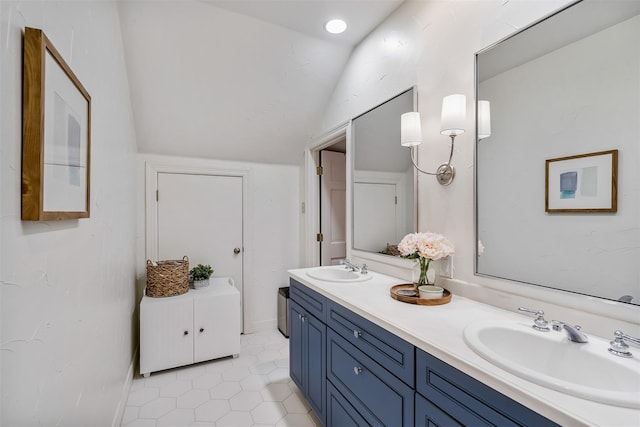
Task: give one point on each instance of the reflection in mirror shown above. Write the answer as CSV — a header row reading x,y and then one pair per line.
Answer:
x,y
567,86
383,178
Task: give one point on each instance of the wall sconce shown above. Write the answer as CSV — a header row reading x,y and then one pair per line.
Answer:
x,y
454,114
484,120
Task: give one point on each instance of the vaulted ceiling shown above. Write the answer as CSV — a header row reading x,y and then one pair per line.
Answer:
x,y
237,80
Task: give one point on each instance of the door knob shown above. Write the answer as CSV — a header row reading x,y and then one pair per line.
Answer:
x,y
236,251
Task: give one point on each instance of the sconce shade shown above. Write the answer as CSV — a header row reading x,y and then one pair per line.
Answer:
x,y
410,129
454,115
484,119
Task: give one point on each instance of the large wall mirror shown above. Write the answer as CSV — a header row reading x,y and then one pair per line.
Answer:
x,y
567,86
383,178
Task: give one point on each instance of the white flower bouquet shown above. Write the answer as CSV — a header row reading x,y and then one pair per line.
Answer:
x,y
425,247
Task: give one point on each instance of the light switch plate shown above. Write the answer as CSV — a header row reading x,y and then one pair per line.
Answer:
x,y
446,267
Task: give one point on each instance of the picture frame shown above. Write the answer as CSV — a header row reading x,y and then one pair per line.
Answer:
x,y
56,135
582,183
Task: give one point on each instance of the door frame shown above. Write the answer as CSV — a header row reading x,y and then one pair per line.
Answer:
x,y
312,190
152,169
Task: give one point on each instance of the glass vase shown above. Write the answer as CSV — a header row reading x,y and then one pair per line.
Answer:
x,y
426,274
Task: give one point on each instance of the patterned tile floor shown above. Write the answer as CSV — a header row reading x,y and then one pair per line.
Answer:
x,y
251,390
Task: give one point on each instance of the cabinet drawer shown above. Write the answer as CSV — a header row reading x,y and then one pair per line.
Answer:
x,y
378,396
389,350
429,415
311,301
340,413
469,400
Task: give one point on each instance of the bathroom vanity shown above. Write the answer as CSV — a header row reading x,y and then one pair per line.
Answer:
x,y
362,358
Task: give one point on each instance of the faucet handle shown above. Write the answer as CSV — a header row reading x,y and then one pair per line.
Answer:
x,y
619,347
364,269
556,325
539,324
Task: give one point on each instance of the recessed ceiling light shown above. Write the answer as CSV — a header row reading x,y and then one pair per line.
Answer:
x,y
335,26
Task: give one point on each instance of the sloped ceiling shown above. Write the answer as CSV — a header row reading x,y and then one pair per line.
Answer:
x,y
308,16
209,82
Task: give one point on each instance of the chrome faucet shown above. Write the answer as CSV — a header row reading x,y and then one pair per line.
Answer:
x,y
619,347
539,324
574,333
349,266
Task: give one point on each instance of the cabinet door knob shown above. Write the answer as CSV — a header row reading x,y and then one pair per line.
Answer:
x,y
236,251
357,370
186,332
357,333
303,318
201,329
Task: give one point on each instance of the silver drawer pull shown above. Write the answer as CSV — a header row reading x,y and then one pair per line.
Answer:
x,y
357,333
357,370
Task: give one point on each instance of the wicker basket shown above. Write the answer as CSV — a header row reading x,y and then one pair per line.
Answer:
x,y
167,278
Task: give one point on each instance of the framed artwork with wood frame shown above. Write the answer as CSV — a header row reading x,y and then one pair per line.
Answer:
x,y
582,183
56,135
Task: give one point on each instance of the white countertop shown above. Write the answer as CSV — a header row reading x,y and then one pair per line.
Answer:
x,y
438,330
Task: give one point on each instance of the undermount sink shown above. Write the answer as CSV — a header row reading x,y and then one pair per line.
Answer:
x,y
337,274
549,359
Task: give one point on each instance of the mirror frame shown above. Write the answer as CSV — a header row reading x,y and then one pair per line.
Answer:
x,y
359,253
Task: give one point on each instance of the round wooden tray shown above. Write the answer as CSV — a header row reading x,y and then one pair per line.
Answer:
x,y
446,296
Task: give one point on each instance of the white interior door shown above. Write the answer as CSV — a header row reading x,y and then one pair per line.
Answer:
x,y
374,208
333,222
201,216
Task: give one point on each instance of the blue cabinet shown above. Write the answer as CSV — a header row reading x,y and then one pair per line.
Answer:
x,y
340,412
466,399
297,349
429,415
355,373
379,397
395,354
307,347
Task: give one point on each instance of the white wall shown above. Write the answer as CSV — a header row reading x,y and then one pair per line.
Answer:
x,y
272,229
432,44
68,287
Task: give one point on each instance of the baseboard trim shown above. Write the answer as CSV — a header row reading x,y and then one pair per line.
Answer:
x,y
126,388
265,325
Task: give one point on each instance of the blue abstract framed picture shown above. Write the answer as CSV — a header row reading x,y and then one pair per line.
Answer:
x,y
582,183
56,135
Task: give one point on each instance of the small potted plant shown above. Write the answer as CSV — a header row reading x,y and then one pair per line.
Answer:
x,y
200,275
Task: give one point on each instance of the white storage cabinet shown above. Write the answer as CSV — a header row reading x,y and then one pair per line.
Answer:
x,y
200,325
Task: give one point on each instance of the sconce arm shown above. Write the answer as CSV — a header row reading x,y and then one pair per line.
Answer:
x,y
453,141
416,166
412,148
